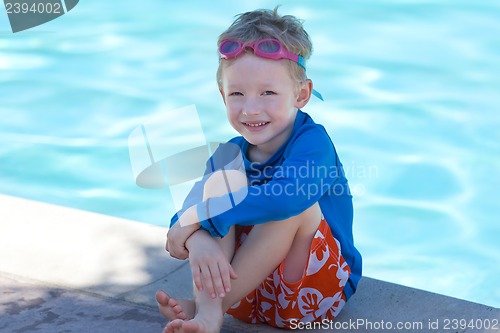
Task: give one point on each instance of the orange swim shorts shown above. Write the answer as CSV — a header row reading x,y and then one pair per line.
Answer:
x,y
316,297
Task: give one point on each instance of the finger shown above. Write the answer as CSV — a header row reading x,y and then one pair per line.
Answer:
x,y
184,253
195,269
172,249
178,252
207,281
217,278
180,255
173,252
226,280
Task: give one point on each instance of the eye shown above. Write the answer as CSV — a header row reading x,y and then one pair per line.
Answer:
x,y
236,93
269,92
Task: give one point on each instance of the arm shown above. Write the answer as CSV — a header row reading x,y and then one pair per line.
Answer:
x,y
310,170
226,156
187,217
177,234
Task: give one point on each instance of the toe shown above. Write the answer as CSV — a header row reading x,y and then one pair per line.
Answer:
x,y
174,325
162,297
172,302
192,327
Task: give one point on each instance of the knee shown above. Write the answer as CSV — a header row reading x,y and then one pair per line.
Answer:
x,y
308,219
223,182
312,214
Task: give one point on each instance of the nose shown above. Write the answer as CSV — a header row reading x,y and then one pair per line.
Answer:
x,y
251,107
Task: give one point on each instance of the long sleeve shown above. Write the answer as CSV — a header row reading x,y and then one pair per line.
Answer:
x,y
306,169
307,172
194,197
227,156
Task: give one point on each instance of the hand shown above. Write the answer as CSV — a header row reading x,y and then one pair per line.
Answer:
x,y
209,264
180,232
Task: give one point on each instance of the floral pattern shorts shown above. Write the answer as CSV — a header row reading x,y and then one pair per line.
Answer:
x,y
317,296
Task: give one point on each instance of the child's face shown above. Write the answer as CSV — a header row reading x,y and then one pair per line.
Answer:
x,y
262,100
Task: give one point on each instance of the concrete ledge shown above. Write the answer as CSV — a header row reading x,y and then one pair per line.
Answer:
x,y
65,270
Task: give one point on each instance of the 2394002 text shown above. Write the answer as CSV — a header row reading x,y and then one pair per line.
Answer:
x,y
34,8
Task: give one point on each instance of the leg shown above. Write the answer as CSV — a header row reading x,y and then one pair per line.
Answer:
x,y
297,238
290,239
218,184
316,296
287,240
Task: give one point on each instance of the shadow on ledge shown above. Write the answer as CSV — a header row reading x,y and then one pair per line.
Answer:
x,y
27,306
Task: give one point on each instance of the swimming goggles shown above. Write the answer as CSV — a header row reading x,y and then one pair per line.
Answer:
x,y
269,48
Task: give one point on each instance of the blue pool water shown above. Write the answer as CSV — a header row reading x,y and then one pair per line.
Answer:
x,y
411,90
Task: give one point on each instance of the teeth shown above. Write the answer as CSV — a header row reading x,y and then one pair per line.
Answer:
x,y
255,125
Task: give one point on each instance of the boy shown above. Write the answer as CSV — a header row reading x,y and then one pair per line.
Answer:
x,y
284,253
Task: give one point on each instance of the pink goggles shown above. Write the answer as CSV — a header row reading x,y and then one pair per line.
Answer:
x,y
269,48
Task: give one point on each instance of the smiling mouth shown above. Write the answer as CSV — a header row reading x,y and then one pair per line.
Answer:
x,y
256,124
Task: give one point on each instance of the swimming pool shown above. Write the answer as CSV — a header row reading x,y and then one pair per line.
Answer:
x,y
411,102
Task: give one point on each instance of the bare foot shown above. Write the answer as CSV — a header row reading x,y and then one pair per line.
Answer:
x,y
174,309
196,325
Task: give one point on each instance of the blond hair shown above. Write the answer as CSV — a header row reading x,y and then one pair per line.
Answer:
x,y
264,23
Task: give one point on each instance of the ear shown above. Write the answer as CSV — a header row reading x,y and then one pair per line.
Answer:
x,y
222,94
304,94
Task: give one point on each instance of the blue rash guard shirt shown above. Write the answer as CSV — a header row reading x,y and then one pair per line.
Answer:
x,y
304,170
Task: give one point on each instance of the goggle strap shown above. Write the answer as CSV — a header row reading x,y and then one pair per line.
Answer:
x,y
301,62
317,94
